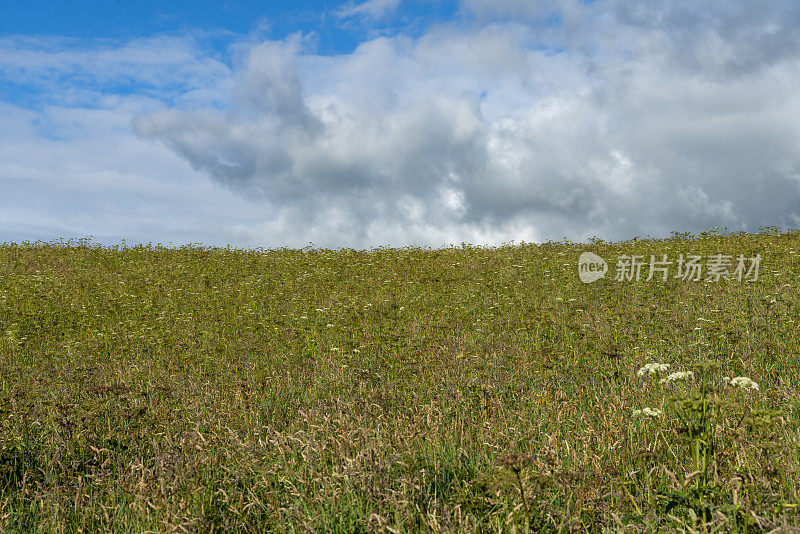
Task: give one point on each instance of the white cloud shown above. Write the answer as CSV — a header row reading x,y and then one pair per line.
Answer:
x,y
516,126
551,144
372,9
520,9
75,72
107,184
71,166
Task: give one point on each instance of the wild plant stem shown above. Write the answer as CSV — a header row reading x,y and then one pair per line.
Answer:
x,y
522,492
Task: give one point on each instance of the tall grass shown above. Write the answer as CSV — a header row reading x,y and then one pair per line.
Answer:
x,y
395,390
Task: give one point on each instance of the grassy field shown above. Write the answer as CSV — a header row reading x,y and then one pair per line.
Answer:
x,y
397,390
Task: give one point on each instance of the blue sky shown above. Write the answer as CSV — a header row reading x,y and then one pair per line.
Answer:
x,y
127,19
392,122
331,28
124,19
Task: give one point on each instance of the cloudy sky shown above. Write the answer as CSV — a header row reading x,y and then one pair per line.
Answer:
x,y
393,122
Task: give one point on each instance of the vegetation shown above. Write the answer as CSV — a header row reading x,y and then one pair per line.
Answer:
x,y
397,390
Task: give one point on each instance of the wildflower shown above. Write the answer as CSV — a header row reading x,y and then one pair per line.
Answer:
x,y
647,412
683,375
652,368
744,383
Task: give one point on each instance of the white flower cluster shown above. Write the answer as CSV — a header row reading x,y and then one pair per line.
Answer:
x,y
649,412
683,375
652,368
741,381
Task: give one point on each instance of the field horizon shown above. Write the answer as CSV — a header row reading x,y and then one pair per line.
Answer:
x,y
462,389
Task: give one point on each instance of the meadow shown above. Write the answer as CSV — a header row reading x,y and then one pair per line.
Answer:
x,y
465,389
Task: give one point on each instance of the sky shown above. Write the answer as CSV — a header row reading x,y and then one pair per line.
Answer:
x,y
397,123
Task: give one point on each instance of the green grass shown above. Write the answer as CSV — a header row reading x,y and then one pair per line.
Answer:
x,y
199,390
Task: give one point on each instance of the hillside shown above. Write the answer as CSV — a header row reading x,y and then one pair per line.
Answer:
x,y
395,390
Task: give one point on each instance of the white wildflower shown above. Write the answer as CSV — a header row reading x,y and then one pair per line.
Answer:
x,y
652,368
683,375
744,382
648,412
